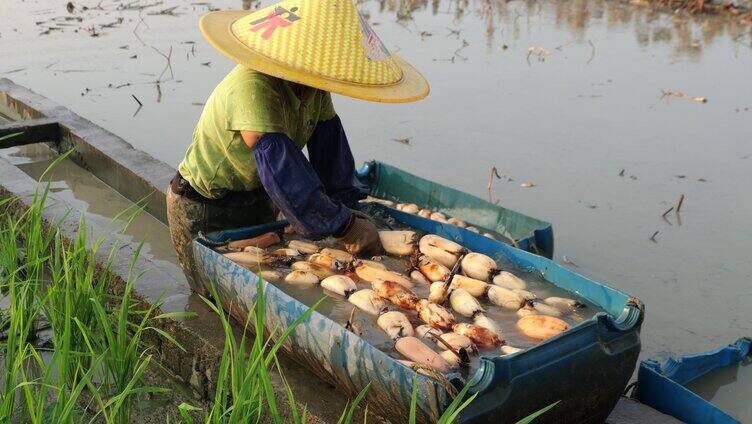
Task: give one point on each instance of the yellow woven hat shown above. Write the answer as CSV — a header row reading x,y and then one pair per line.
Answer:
x,y
325,44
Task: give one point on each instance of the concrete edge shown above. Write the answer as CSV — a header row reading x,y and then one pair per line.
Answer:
x,y
132,172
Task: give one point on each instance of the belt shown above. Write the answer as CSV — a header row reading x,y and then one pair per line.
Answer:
x,y
182,187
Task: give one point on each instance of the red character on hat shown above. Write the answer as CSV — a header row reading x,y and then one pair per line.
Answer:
x,y
274,21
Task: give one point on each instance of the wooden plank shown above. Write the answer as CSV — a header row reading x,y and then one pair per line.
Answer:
x,y
20,133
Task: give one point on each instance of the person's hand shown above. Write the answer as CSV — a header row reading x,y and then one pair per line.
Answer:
x,y
362,237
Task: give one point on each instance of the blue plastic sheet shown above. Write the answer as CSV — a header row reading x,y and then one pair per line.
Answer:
x,y
525,232
663,389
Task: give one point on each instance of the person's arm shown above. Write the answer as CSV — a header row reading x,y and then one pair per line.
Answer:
x,y
295,188
254,111
293,185
330,156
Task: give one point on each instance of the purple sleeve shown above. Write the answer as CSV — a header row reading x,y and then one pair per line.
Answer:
x,y
295,188
331,158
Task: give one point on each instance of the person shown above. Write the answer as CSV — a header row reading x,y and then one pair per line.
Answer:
x,y
245,163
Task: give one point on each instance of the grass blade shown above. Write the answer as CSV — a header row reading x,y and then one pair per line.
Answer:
x,y
530,418
11,135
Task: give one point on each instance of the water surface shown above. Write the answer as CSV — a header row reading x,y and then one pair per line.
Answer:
x,y
101,204
729,388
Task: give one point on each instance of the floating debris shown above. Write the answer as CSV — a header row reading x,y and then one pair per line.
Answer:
x,y
679,94
679,203
539,52
494,173
455,32
592,52
568,261
170,11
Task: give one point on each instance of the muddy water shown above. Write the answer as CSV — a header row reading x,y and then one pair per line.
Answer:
x,y
727,388
102,205
569,115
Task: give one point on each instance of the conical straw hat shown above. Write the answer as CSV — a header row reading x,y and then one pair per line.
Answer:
x,y
325,44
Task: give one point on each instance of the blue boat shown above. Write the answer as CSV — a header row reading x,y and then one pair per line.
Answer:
x,y
585,368
391,183
664,388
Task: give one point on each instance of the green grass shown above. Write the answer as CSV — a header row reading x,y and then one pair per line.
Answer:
x,y
530,418
92,368
244,390
11,135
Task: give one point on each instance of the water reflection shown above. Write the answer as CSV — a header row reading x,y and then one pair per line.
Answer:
x,y
686,34
250,4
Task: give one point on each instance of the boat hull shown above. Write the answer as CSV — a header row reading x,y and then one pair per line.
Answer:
x,y
585,368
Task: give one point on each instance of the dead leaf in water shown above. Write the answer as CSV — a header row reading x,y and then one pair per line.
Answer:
x,y
672,93
540,52
494,173
681,95
568,261
527,184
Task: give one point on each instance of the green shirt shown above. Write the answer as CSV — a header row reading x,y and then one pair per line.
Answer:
x,y
246,100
